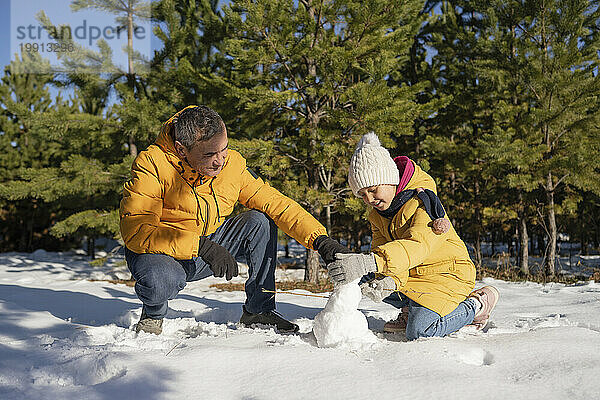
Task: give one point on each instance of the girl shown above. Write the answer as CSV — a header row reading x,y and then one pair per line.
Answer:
x,y
418,263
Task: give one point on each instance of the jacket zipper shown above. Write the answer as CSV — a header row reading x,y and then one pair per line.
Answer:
x,y
207,207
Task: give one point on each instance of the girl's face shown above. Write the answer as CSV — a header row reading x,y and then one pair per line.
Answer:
x,y
379,196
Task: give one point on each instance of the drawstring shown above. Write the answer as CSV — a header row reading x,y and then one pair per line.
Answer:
x,y
212,190
216,202
198,212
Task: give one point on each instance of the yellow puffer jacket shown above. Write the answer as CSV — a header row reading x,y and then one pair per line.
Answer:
x,y
433,270
167,206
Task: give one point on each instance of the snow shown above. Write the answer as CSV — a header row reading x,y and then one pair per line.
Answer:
x,y
65,336
340,323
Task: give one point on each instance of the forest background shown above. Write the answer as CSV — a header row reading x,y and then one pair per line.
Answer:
x,y
497,100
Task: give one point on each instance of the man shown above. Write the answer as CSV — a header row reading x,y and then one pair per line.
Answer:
x,y
173,220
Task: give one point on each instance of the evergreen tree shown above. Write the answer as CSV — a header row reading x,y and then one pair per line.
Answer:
x,y
97,142
508,147
549,59
23,221
451,146
83,64
192,33
310,78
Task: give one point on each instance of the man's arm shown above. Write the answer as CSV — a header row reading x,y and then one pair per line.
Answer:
x,y
141,208
288,215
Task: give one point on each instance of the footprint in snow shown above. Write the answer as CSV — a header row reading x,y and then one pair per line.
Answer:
x,y
476,356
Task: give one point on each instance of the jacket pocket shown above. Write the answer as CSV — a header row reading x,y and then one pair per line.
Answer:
x,y
442,267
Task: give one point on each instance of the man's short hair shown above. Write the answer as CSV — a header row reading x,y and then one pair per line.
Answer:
x,y
197,124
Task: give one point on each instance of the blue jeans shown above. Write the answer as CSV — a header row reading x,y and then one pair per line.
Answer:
x,y
423,322
250,236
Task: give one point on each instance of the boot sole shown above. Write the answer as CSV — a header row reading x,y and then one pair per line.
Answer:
x,y
481,324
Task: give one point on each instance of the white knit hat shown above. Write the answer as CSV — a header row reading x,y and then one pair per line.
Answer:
x,y
371,165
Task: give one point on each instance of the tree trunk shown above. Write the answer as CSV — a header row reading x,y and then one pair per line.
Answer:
x,y
524,245
477,223
130,75
130,43
477,246
328,218
91,248
541,245
132,146
583,226
311,273
584,243
523,259
552,234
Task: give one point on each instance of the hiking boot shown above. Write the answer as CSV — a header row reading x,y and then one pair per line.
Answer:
x,y
149,325
398,324
488,297
268,318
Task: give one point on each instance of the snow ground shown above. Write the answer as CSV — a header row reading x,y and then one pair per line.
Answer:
x,y
63,336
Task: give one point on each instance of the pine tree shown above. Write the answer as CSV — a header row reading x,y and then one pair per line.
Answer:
x,y
83,64
192,32
551,65
126,12
22,221
310,78
97,143
451,146
85,178
508,147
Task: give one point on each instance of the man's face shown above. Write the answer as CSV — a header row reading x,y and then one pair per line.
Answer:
x,y
206,157
379,197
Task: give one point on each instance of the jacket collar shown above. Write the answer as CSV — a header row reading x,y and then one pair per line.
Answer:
x,y
416,177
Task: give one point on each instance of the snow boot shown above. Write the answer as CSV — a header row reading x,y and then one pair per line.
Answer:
x,y
488,297
398,324
268,318
149,325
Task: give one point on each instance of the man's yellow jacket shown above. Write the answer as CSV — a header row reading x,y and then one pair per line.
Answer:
x,y
167,206
433,270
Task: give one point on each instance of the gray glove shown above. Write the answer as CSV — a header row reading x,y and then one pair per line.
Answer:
x,y
378,289
350,267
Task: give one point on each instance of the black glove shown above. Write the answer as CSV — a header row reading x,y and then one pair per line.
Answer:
x,y
328,247
220,261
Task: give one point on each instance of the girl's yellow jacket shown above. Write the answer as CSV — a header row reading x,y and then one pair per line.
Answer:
x,y
433,270
167,206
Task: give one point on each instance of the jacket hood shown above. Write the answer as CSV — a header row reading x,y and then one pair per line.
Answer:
x,y
419,178
406,168
165,138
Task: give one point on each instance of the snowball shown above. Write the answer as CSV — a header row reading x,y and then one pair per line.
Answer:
x,y
340,322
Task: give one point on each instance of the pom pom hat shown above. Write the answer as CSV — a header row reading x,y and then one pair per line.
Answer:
x,y
371,165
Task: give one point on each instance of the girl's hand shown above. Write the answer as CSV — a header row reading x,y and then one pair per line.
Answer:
x,y
350,267
378,289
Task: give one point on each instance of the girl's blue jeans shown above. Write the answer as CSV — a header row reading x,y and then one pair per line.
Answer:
x,y
250,236
423,322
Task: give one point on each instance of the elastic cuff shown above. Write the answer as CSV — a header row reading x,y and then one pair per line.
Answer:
x,y
313,236
318,241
